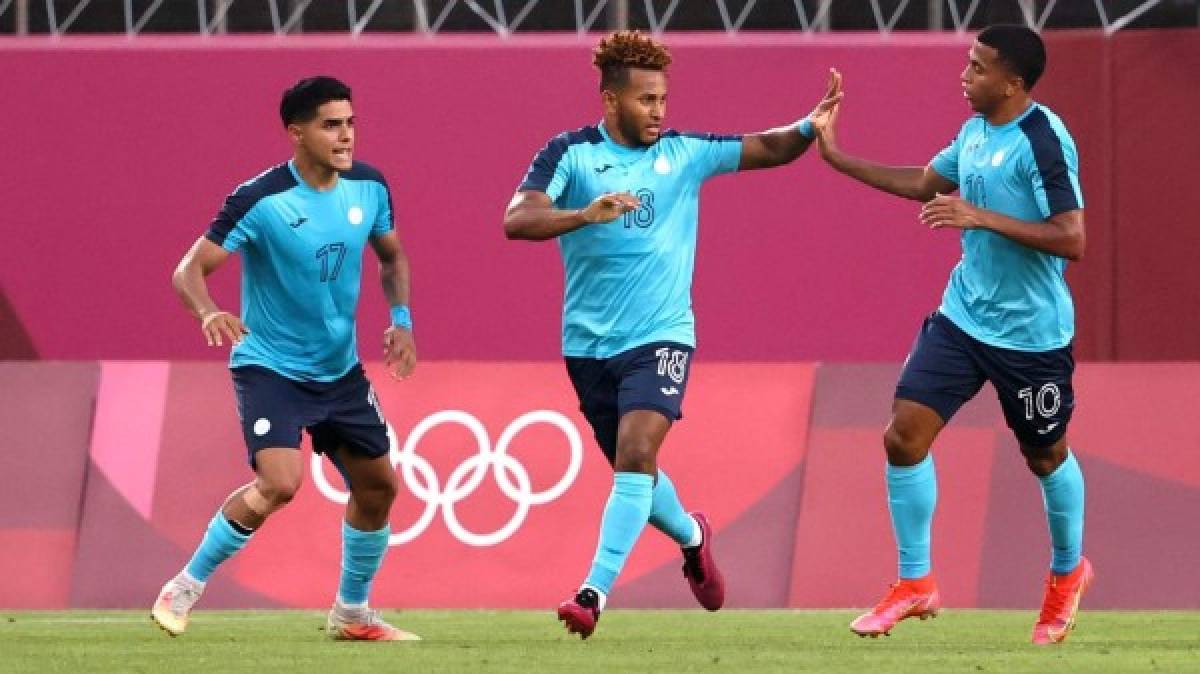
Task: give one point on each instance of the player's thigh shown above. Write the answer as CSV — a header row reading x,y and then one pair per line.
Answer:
x,y
271,410
654,378
1036,392
941,372
596,389
352,429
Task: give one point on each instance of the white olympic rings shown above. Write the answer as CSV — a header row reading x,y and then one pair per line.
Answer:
x,y
512,478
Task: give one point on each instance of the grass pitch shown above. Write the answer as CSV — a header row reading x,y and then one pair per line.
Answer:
x,y
625,641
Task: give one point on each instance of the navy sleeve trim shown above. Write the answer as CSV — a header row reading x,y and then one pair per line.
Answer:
x,y
364,171
272,181
1048,153
545,162
715,137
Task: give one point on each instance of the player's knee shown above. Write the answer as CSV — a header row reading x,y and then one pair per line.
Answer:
x,y
904,445
1043,461
637,455
278,493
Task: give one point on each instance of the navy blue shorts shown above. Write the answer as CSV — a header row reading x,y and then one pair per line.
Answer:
x,y
649,377
274,408
947,367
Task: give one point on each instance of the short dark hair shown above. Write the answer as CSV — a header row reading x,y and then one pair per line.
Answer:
x,y
300,103
1020,48
622,50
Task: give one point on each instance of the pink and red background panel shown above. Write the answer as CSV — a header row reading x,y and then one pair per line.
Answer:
x,y
117,467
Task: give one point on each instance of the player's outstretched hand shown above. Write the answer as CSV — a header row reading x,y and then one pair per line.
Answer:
x,y
221,325
949,211
824,116
399,352
610,206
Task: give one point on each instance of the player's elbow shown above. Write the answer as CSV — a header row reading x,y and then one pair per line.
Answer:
x,y
516,227
1075,248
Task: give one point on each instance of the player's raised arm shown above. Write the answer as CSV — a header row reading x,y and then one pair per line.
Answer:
x,y
921,183
531,215
782,145
202,259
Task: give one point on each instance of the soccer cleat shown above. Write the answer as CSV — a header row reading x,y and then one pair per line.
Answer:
x,y
581,613
701,571
174,604
1061,603
907,599
363,625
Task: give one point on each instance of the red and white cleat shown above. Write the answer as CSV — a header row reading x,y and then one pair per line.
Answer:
x,y
917,598
1060,604
363,625
173,607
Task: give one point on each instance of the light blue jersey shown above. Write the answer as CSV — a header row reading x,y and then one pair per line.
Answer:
x,y
1001,292
629,281
301,266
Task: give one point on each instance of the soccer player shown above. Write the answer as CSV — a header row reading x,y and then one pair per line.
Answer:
x,y
301,227
621,198
1006,316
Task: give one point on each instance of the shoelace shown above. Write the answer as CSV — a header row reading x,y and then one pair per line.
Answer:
x,y
894,595
182,598
692,565
1053,603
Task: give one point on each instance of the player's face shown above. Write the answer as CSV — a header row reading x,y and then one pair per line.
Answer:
x,y
987,81
640,105
328,138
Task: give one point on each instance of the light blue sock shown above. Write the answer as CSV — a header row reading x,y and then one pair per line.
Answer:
x,y
362,554
912,496
625,516
1063,494
667,513
220,542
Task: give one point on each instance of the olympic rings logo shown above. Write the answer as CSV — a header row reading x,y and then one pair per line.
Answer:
x,y
512,478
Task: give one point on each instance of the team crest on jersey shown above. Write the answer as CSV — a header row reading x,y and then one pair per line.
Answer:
x,y
661,166
355,215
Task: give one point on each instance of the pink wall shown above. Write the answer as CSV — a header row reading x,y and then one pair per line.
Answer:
x,y
122,154
802,522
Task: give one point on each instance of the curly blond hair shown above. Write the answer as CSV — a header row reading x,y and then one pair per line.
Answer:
x,y
626,49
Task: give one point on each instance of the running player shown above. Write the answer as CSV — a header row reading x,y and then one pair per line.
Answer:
x,y
301,227
1006,317
621,198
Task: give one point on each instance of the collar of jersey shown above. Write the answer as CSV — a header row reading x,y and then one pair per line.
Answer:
x,y
304,186
1015,121
622,151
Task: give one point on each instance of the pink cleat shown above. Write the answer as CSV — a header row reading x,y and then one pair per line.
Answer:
x,y
907,598
703,576
1061,603
363,625
581,613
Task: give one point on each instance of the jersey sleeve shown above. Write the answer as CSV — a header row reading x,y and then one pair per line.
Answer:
x,y
384,215
712,154
550,171
946,161
235,223
1052,167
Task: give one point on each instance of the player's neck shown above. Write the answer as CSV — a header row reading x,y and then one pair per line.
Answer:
x,y
614,134
1009,110
320,178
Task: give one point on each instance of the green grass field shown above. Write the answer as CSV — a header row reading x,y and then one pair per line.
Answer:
x,y
625,641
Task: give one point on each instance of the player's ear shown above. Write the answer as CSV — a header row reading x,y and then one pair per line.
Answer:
x,y
610,99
